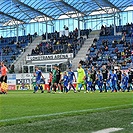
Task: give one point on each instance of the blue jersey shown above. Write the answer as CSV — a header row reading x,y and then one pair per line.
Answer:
x,y
99,76
125,80
65,80
86,75
100,79
70,75
113,77
38,75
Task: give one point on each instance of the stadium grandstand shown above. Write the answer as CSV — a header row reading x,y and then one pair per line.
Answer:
x,y
48,32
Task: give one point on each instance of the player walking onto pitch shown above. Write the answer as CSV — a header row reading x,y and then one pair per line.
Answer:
x,y
54,84
113,78
105,76
50,81
99,81
58,78
65,82
38,75
81,77
89,82
119,76
124,81
93,75
130,79
71,78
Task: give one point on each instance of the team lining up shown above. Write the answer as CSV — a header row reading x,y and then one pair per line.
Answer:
x,y
88,79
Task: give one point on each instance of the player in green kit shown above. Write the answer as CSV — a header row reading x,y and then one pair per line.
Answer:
x,y
54,84
81,77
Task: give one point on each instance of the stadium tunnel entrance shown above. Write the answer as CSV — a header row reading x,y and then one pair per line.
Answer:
x,y
45,68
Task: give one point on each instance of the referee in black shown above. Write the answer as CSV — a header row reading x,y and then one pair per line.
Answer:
x,y
58,78
105,76
130,79
119,76
93,76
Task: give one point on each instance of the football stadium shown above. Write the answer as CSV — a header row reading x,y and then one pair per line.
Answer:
x,y
66,66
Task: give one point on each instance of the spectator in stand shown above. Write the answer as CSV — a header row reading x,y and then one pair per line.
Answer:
x,y
76,29
30,38
114,43
43,36
87,33
123,39
18,45
116,50
106,48
118,55
65,27
92,49
1,39
35,34
125,44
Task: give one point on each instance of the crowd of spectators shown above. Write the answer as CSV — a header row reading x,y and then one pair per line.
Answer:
x,y
111,51
106,31
125,29
10,48
63,44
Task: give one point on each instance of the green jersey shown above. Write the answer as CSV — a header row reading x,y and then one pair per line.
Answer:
x,y
81,75
54,76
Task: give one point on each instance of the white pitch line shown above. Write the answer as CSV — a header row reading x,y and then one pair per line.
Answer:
x,y
62,113
108,130
131,122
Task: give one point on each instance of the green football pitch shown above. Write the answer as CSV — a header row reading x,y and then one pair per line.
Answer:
x,y
26,112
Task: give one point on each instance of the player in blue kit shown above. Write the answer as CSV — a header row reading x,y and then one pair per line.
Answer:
x,y
65,82
124,81
88,81
99,81
38,75
71,78
114,79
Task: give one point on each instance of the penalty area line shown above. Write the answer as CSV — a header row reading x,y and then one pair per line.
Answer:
x,y
62,113
108,130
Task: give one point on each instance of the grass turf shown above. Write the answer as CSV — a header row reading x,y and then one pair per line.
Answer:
x,y
25,112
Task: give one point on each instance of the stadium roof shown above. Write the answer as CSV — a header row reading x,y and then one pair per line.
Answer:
x,y
25,11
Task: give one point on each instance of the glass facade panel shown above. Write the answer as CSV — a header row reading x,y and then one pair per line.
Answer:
x,y
124,18
130,16
70,25
32,28
93,22
75,24
61,25
57,23
36,27
40,32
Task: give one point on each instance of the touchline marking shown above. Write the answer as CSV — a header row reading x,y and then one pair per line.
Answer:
x,y
108,130
131,122
62,113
